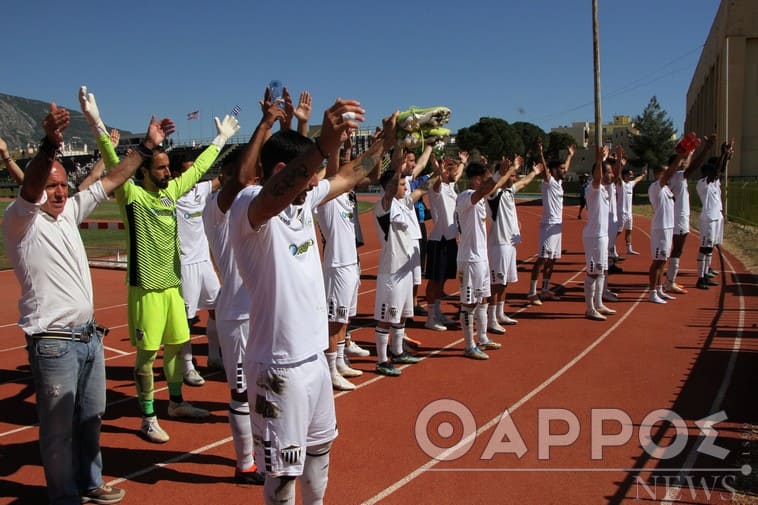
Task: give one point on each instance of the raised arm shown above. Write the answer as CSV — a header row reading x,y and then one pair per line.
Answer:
x,y
597,169
292,179
545,173
303,113
534,172
422,160
705,148
38,169
489,185
567,163
98,168
10,164
727,150
642,175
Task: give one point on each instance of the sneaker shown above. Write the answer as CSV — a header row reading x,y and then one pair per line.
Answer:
x,y
432,324
418,310
347,371
186,409
413,119
103,495
339,383
606,311
193,378
549,295
355,350
152,431
673,287
666,296
631,251
404,358
443,319
534,299
475,353
701,284
711,282
506,320
594,315
610,296
215,365
494,327
250,476
654,298
386,368
489,345
615,269
711,273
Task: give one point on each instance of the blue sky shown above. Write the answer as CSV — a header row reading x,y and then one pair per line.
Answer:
x,y
516,60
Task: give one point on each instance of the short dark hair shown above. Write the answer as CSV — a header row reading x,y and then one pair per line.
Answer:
x,y
146,163
282,147
475,169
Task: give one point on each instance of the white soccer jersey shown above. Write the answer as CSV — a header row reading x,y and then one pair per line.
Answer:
x,y
710,197
680,190
598,205
552,201
415,226
193,243
501,208
281,269
392,228
612,209
233,301
335,218
662,200
625,197
442,205
472,227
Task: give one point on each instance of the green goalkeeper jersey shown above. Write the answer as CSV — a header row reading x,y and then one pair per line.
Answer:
x,y
150,220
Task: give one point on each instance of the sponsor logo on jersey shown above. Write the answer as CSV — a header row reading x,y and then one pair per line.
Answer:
x,y
297,250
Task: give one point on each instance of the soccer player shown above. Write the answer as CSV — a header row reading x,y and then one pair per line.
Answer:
x,y
711,221
442,247
274,243
550,226
503,237
472,262
625,195
595,238
680,189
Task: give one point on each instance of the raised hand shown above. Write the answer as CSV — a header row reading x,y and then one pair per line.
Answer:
x,y
389,128
115,136
157,131
343,115
54,124
271,110
3,149
303,110
538,168
572,149
91,112
463,155
226,128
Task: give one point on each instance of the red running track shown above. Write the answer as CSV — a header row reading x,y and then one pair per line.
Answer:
x,y
693,357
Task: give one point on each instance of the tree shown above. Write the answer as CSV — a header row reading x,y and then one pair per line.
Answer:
x,y
493,137
558,143
655,142
529,134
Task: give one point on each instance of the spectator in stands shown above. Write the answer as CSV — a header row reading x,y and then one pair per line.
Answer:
x,y
64,344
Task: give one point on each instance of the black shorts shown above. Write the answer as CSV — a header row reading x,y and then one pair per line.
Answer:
x,y
441,259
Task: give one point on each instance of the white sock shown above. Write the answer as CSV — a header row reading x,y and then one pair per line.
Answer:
x,y
396,339
702,265
279,490
491,313
315,474
467,325
242,433
382,337
331,359
673,269
589,292
708,259
500,310
214,349
533,287
186,355
604,278
659,289
341,354
481,322
601,283
628,247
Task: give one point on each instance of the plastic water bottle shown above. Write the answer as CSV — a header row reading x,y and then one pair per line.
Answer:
x,y
276,92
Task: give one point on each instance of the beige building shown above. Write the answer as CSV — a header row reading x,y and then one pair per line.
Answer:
x,y
723,94
618,132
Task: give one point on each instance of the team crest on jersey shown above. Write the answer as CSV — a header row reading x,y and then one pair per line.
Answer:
x,y
292,454
139,334
297,250
166,201
393,312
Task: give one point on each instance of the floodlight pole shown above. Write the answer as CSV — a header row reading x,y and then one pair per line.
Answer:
x,y
596,61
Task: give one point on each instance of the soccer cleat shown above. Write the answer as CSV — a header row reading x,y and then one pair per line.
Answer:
x,y
152,431
103,495
347,371
386,368
710,282
489,345
403,358
610,296
475,353
339,383
534,299
432,324
614,269
193,378
186,409
413,119
413,139
410,342
711,273
654,298
549,295
665,295
594,315
506,320
701,284
495,327
631,251
250,476
606,311
673,287
418,310
354,349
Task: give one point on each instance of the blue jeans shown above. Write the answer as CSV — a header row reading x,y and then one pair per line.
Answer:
x,y
69,379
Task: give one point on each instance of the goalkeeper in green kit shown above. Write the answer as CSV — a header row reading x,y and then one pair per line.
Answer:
x,y
155,305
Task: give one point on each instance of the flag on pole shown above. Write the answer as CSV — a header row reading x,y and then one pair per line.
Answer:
x,y
236,110
193,115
